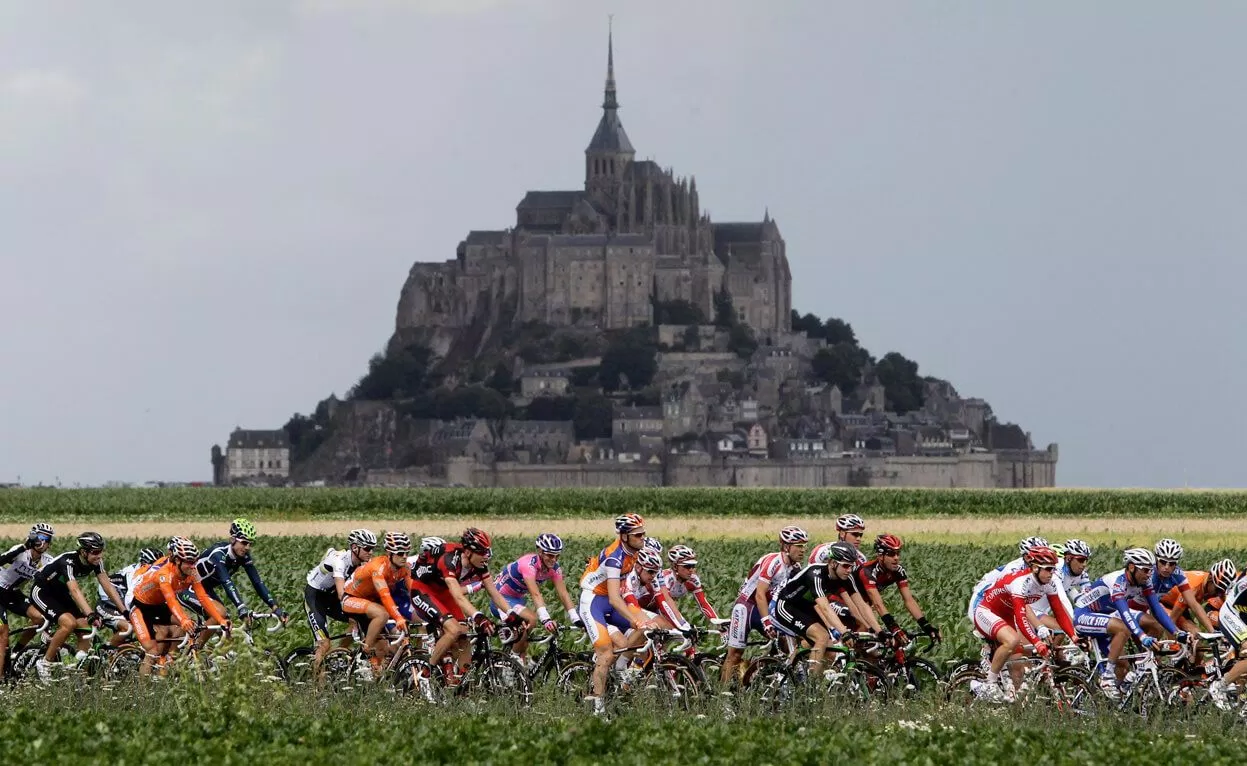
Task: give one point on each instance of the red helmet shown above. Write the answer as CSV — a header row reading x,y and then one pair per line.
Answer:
x,y
1042,555
476,540
887,544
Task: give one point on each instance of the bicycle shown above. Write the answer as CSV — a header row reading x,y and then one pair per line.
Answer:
x,y
907,673
847,676
126,661
1055,681
555,658
675,680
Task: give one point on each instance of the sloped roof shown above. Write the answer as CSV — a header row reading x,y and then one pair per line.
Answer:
x,y
479,237
253,439
550,199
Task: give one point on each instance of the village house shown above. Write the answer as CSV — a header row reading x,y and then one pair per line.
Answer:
x,y
251,453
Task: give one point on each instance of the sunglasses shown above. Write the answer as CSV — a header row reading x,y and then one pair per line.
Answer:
x,y
856,534
1079,559
1144,570
1047,569
1166,563
367,548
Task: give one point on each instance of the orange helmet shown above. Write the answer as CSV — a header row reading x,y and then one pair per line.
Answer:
x,y
629,522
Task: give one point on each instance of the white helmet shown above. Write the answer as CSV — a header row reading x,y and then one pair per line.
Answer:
x,y
1140,557
850,521
793,536
362,537
1078,548
1168,549
1031,542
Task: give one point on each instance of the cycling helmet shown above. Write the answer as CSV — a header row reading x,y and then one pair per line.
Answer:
x,y
793,536
850,521
1043,555
362,537
1059,548
476,540
1140,557
1077,548
629,522
204,568
1168,549
91,541
648,560
148,556
432,545
1030,542
887,544
175,541
682,555
41,530
1223,574
654,544
181,549
241,529
549,543
842,552
397,543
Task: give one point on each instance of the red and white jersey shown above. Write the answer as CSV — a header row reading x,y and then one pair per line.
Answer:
x,y
819,554
1009,596
690,587
769,569
646,595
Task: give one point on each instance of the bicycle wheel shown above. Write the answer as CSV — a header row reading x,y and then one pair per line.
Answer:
x,y
958,690
414,678
502,675
296,666
343,669
124,663
860,681
676,682
916,678
576,679
1073,692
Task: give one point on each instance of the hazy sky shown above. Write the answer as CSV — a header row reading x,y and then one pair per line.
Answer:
x,y
207,210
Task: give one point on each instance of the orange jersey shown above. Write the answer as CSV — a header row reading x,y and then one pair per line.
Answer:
x,y
161,584
615,562
1198,582
373,581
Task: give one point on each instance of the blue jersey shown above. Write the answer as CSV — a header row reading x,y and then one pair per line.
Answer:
x,y
1112,594
225,565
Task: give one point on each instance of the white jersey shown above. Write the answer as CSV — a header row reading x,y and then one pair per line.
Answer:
x,y
1070,587
769,569
20,568
123,581
336,564
988,580
822,553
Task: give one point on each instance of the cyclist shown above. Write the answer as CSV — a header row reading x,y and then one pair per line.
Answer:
x,y
223,560
602,602
156,612
803,608
322,596
1001,616
849,529
1016,565
1232,626
123,581
1207,588
682,580
1072,577
1168,576
368,594
882,571
645,590
21,563
1103,612
752,608
522,579
58,598
439,582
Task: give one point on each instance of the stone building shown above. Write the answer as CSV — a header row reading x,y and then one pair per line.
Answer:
x,y
600,255
250,453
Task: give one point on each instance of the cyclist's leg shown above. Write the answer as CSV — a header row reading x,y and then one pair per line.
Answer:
x,y
593,610
315,605
428,609
65,616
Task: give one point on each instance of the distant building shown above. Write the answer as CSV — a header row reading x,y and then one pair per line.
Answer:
x,y
251,454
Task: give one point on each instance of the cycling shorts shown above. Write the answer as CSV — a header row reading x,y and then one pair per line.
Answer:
x,y
796,617
987,623
144,617
111,615
438,598
598,616
512,601
52,602
12,600
322,606
745,618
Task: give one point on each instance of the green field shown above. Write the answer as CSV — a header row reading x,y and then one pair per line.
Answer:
x,y
238,719
21,505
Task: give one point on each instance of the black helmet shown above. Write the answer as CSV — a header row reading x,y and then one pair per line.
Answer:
x,y
842,552
91,541
148,556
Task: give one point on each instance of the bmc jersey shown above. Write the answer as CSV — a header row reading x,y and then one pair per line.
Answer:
x,y
430,572
19,566
613,563
65,567
769,569
874,576
1011,594
510,581
336,564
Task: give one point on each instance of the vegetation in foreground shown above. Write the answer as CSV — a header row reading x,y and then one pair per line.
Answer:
x,y
22,505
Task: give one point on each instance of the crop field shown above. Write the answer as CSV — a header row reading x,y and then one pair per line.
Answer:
x,y
239,717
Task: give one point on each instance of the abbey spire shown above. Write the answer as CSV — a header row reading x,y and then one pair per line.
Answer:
x,y
609,150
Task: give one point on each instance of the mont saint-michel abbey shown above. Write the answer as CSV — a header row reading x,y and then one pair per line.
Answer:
x,y
602,254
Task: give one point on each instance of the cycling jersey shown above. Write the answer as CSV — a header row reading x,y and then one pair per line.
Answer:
x,y
1005,603
690,587
651,597
1162,585
1111,594
794,603
874,576
769,569
1071,586
820,553
372,583
1200,585
226,564
1233,613
159,586
510,581
335,565
123,581
65,567
20,566
612,563
988,580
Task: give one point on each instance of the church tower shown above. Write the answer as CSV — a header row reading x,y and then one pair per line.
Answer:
x,y
609,151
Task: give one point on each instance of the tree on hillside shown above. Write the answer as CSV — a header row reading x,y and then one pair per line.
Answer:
x,y
841,365
398,375
902,385
724,311
838,331
634,355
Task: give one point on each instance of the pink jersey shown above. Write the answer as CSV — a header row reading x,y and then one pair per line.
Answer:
x,y
510,581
